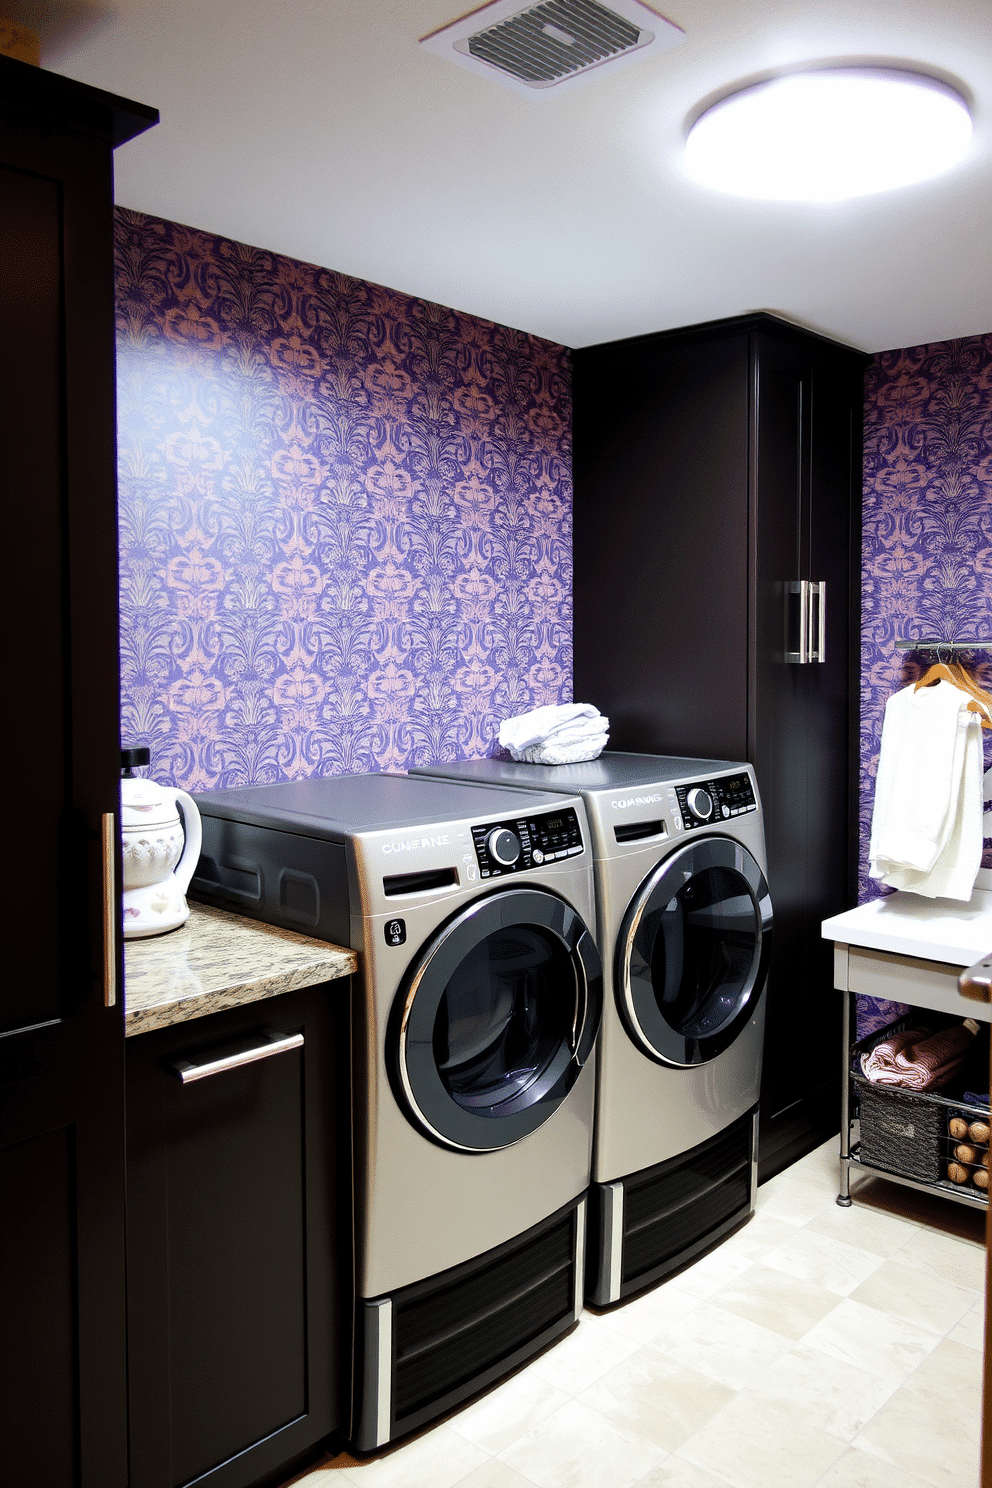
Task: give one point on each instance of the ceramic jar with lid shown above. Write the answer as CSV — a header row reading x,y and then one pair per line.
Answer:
x,y
159,850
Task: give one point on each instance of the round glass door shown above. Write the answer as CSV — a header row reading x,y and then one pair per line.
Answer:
x,y
496,1021
692,957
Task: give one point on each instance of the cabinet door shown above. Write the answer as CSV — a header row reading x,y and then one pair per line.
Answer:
x,y
661,542
801,722
62,1342
239,1277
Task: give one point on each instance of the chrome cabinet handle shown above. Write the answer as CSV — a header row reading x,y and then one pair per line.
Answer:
x,y
189,1070
812,621
800,587
817,648
109,847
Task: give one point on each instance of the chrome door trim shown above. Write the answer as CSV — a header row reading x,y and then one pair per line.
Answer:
x,y
581,957
743,858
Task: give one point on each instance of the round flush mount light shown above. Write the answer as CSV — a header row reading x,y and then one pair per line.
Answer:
x,y
829,134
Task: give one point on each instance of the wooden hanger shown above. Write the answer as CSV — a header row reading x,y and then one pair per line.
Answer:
x,y
961,678
968,682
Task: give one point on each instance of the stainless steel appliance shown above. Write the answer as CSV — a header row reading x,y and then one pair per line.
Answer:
x,y
685,926
475,1016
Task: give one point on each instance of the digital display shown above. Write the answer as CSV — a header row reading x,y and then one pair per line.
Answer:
x,y
738,783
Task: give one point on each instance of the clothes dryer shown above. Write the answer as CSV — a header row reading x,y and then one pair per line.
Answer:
x,y
685,927
475,1016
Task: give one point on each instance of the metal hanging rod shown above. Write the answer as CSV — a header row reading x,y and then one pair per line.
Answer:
x,y
944,645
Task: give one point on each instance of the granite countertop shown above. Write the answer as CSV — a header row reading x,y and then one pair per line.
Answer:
x,y
930,929
219,960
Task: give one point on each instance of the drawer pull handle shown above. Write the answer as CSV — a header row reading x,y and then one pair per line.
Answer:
x,y
110,909
274,1043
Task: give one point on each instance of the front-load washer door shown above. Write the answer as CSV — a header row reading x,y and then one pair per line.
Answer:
x,y
496,1020
692,955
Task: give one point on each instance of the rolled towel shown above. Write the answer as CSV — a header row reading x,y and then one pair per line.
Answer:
x,y
922,1063
880,1063
573,753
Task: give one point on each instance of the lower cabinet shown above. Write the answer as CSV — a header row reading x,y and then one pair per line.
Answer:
x,y
239,1241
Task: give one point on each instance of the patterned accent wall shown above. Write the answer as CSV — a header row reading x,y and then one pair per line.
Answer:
x,y
927,524
345,517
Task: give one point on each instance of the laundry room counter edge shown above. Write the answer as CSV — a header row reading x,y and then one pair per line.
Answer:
x,y
219,960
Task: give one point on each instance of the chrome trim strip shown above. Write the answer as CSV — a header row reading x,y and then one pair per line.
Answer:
x,y
110,910
580,1253
373,1428
614,1233
754,1161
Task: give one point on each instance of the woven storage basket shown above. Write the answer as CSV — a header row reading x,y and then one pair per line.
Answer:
x,y
901,1131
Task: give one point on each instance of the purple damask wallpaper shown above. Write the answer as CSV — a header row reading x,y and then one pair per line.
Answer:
x,y
927,528
345,517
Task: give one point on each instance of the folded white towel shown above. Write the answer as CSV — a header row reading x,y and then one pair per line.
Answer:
x,y
568,727
557,753
927,823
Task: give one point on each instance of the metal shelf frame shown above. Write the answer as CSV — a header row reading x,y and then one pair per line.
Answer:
x,y
849,1157
906,645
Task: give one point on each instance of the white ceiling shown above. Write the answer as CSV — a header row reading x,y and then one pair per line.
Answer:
x,y
320,129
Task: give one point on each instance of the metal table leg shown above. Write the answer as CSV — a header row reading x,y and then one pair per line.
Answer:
x,y
844,1197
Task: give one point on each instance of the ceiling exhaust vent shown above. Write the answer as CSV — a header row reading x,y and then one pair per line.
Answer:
x,y
547,47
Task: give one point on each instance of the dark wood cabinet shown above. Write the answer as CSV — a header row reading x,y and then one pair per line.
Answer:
x,y
62,1343
239,1241
717,477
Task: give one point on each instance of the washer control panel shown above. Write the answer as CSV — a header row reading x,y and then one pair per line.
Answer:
x,y
707,802
526,842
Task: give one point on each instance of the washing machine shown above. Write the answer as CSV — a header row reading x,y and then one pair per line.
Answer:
x,y
477,1006
685,927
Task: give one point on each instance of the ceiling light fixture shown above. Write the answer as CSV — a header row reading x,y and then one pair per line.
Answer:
x,y
829,134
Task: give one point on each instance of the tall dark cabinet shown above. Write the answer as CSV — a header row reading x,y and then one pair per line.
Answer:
x,y
717,480
62,1342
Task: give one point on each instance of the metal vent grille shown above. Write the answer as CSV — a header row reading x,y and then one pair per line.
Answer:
x,y
552,41
553,45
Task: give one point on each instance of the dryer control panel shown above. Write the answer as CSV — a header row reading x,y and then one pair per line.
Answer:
x,y
707,802
526,842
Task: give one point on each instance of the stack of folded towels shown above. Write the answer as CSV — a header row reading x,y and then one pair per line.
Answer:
x,y
917,1059
926,830
558,735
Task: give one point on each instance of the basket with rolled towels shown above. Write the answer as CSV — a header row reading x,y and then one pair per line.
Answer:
x,y
562,734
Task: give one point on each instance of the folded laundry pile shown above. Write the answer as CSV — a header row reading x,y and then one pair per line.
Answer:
x,y
562,734
917,1059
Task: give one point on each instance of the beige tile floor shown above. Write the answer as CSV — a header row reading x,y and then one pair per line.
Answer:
x,y
816,1346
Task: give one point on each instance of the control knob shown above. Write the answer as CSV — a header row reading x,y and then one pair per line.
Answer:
x,y
700,803
504,846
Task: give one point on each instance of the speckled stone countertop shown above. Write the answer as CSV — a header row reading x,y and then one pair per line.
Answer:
x,y
216,961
